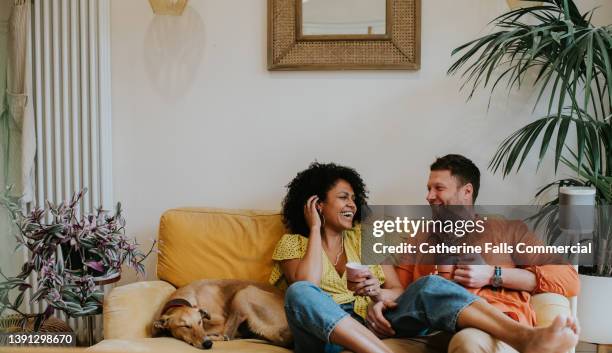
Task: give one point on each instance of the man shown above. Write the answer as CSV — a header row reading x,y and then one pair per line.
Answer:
x,y
455,181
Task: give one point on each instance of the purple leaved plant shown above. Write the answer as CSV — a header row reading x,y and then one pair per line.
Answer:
x,y
71,253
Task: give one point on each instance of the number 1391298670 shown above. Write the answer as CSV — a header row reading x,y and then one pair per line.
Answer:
x,y
38,339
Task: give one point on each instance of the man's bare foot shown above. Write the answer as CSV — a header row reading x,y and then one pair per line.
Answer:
x,y
559,337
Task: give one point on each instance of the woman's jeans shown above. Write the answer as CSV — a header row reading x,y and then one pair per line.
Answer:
x,y
430,303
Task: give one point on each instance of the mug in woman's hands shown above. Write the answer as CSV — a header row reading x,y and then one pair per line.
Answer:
x,y
355,274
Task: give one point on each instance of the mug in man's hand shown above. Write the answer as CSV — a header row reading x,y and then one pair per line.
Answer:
x,y
446,271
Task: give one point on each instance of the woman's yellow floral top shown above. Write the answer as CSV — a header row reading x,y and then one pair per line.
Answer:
x,y
293,246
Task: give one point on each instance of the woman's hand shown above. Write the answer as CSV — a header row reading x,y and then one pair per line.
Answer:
x,y
368,286
311,214
375,320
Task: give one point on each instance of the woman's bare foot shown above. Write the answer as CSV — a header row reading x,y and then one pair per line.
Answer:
x,y
559,337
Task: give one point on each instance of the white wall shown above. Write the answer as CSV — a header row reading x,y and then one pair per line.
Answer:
x,y
198,120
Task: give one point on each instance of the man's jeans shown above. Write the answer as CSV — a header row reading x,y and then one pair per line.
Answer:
x,y
430,303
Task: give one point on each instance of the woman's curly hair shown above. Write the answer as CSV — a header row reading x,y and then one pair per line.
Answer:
x,y
318,179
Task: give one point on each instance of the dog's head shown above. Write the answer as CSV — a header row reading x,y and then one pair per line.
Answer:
x,y
184,322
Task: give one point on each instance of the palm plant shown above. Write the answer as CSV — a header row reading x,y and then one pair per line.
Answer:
x,y
571,60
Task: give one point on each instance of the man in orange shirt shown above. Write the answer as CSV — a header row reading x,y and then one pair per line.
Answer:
x,y
455,180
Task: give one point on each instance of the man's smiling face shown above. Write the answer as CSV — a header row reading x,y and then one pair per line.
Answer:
x,y
444,189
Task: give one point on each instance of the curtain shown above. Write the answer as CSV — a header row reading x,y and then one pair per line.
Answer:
x,y
6,244
20,110
17,134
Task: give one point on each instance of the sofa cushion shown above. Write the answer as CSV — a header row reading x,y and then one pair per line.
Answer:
x,y
198,243
129,310
168,344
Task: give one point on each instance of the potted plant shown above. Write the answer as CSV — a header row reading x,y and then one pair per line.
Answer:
x,y
70,253
571,61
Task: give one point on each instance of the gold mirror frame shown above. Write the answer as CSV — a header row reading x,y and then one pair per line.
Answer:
x,y
398,49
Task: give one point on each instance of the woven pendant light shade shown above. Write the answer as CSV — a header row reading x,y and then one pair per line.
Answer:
x,y
515,4
168,7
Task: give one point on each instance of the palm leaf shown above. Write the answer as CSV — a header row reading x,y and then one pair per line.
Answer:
x,y
569,53
572,60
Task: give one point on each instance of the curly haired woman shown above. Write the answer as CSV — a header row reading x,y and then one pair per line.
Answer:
x,y
323,209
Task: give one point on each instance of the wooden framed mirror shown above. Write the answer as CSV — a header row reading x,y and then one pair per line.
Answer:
x,y
344,34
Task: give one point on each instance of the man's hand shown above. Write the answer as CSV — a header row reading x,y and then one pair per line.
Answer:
x,y
376,321
473,276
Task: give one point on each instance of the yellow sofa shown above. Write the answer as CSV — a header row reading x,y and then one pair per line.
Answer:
x,y
198,243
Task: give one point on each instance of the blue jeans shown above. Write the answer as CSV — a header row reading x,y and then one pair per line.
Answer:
x,y
430,303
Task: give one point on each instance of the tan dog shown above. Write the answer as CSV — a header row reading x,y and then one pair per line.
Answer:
x,y
221,310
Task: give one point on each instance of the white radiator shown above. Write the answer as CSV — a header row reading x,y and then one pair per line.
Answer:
x,y
70,56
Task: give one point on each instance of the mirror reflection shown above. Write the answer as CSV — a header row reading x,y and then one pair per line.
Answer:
x,y
332,17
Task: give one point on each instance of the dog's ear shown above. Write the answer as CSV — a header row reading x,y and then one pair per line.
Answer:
x,y
160,326
204,314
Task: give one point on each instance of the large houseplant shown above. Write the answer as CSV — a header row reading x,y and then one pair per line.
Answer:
x,y
70,253
570,61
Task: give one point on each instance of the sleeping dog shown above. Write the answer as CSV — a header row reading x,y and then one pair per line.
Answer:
x,y
220,310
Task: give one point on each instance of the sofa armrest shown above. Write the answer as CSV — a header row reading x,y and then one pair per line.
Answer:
x,y
129,310
547,306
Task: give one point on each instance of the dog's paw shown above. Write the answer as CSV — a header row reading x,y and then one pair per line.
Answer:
x,y
226,338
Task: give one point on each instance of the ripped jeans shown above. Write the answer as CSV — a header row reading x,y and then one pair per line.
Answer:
x,y
429,304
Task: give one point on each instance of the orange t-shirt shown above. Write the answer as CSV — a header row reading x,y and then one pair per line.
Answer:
x,y
561,279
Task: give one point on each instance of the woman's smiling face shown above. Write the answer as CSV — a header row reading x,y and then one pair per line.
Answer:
x,y
339,207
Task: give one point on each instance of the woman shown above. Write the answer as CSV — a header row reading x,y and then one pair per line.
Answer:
x,y
322,209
